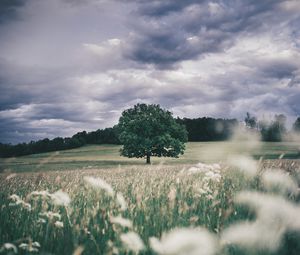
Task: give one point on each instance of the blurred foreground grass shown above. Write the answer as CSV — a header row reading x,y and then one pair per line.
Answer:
x,y
78,212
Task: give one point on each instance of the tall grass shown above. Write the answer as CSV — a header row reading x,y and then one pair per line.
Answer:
x,y
240,207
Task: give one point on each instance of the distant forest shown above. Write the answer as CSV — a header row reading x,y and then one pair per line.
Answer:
x,y
200,129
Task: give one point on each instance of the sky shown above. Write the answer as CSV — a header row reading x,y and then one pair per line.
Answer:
x,y
73,65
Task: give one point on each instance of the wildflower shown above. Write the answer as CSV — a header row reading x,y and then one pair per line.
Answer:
x,y
28,247
59,224
275,216
191,241
203,168
245,164
10,176
132,241
121,201
280,181
50,215
43,194
60,198
16,200
121,221
41,221
210,175
8,247
36,244
98,183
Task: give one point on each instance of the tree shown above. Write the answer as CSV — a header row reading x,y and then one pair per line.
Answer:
x,y
275,131
296,125
148,130
250,121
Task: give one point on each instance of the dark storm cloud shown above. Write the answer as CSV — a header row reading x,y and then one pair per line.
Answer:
x,y
172,31
73,65
8,9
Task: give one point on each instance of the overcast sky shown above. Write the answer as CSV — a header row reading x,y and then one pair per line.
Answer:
x,y
73,65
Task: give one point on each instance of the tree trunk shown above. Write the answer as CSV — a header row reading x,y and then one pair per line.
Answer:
x,y
148,158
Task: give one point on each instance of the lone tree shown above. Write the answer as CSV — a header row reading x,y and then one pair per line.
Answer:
x,y
148,130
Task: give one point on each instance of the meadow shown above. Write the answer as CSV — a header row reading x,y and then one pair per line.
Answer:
x,y
219,198
108,156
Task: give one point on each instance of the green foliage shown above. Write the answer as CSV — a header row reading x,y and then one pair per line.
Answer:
x,y
275,130
148,130
208,129
296,126
250,121
156,202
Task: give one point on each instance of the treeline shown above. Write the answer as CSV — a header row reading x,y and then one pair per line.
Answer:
x,y
209,129
272,130
201,129
101,136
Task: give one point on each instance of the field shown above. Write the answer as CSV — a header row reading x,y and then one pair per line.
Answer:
x,y
107,156
92,201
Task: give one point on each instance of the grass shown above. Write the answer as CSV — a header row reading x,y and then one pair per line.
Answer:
x,y
107,156
167,208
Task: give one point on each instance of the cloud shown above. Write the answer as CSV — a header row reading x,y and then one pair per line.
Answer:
x,y
68,66
8,9
172,31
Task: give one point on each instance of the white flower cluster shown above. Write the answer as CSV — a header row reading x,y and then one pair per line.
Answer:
x,y
17,201
98,183
204,168
182,241
132,241
275,217
58,198
52,217
31,247
9,248
211,175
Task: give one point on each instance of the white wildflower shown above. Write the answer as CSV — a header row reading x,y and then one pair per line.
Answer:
x,y
121,201
23,246
132,241
50,215
26,206
36,244
211,176
8,247
43,194
121,221
41,221
59,224
10,176
98,183
272,209
16,200
185,241
60,198
245,164
275,179
255,235
31,248
203,168
274,216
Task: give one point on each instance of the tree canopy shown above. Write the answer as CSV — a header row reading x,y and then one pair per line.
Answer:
x,y
148,130
296,125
